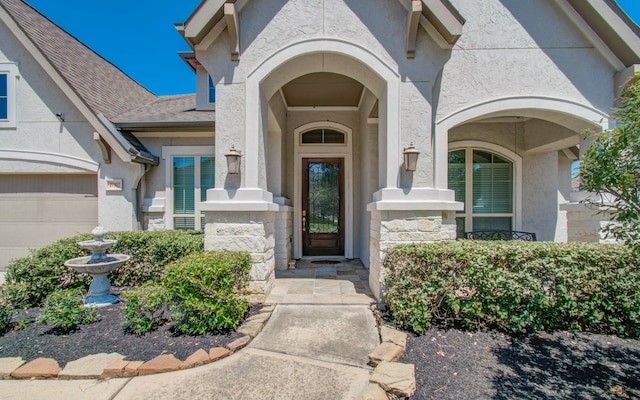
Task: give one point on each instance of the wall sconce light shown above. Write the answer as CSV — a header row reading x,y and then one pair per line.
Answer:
x,y
233,160
410,157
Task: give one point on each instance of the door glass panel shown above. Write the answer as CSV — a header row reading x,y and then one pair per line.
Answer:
x,y
324,197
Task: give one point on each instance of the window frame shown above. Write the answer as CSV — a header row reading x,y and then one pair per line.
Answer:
x,y
11,71
168,155
469,146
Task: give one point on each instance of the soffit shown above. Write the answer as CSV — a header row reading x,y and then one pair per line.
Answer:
x,y
619,33
323,89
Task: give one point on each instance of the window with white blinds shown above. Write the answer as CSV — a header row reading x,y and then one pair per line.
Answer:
x,y
191,177
484,181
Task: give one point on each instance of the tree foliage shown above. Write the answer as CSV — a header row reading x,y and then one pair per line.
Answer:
x,y
611,169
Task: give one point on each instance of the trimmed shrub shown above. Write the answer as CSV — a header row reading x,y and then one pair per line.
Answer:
x,y
64,310
144,308
6,310
31,279
205,290
515,286
150,253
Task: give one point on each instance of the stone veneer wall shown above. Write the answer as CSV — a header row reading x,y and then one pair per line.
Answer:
x,y
391,228
587,225
251,231
283,237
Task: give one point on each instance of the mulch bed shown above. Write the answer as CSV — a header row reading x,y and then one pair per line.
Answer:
x,y
451,364
104,336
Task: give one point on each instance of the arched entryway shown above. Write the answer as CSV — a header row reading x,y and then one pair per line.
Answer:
x,y
510,161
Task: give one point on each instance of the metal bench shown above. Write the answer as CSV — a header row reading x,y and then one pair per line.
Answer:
x,y
501,235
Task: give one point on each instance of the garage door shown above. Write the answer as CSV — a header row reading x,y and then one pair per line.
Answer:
x,y
36,210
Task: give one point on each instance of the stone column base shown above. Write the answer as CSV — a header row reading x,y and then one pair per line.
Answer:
x,y
250,231
393,227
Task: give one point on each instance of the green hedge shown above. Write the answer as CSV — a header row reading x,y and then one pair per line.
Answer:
x,y
205,291
144,308
31,279
6,310
515,286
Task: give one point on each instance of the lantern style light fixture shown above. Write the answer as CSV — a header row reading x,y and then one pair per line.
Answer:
x,y
233,160
410,157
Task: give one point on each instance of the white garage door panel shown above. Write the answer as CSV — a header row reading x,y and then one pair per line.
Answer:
x,y
36,210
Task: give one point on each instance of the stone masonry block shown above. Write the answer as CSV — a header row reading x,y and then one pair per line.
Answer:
x,y
162,363
8,365
399,225
199,357
132,368
38,368
217,353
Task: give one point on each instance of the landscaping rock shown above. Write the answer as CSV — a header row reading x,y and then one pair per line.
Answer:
x,y
162,363
374,392
89,367
251,328
132,368
38,368
396,378
115,370
200,357
8,365
217,353
385,352
238,343
394,336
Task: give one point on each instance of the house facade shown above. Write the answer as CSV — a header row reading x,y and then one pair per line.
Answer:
x,y
322,99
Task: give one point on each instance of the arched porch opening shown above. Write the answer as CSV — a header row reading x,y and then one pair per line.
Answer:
x,y
537,141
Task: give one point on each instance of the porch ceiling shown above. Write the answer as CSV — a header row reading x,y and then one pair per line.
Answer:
x,y
323,89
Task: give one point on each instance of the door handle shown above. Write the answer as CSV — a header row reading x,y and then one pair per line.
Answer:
x,y
304,224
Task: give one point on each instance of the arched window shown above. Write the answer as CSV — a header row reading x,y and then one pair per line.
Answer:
x,y
322,136
484,181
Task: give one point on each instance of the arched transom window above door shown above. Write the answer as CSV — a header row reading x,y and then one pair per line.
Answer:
x,y
323,136
485,182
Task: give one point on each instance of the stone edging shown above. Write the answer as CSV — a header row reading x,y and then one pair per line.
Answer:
x,y
105,366
389,377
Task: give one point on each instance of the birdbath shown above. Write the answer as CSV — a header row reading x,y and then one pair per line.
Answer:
x,y
98,265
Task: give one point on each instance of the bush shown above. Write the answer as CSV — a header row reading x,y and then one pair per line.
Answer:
x,y
31,279
515,286
6,310
65,310
150,253
144,308
205,291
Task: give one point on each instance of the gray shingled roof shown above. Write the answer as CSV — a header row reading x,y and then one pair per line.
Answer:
x,y
167,110
103,87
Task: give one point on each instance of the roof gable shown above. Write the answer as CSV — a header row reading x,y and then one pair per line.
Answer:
x,y
438,18
101,85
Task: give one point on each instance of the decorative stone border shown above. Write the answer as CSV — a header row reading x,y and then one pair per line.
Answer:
x,y
389,377
114,365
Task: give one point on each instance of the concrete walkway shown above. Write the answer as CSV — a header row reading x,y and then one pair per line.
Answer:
x,y
304,352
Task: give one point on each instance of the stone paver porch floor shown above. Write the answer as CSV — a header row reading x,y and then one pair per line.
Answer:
x,y
316,282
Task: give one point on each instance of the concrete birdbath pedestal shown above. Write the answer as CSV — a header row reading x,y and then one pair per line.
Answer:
x,y
98,265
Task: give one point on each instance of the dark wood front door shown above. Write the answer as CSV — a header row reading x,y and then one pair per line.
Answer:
x,y
323,206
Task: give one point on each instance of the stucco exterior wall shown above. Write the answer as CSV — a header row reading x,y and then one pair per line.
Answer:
x,y
43,143
38,101
522,48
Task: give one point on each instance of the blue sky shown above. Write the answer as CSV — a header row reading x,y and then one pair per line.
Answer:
x,y
137,34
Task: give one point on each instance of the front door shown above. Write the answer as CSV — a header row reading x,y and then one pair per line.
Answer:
x,y
323,206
